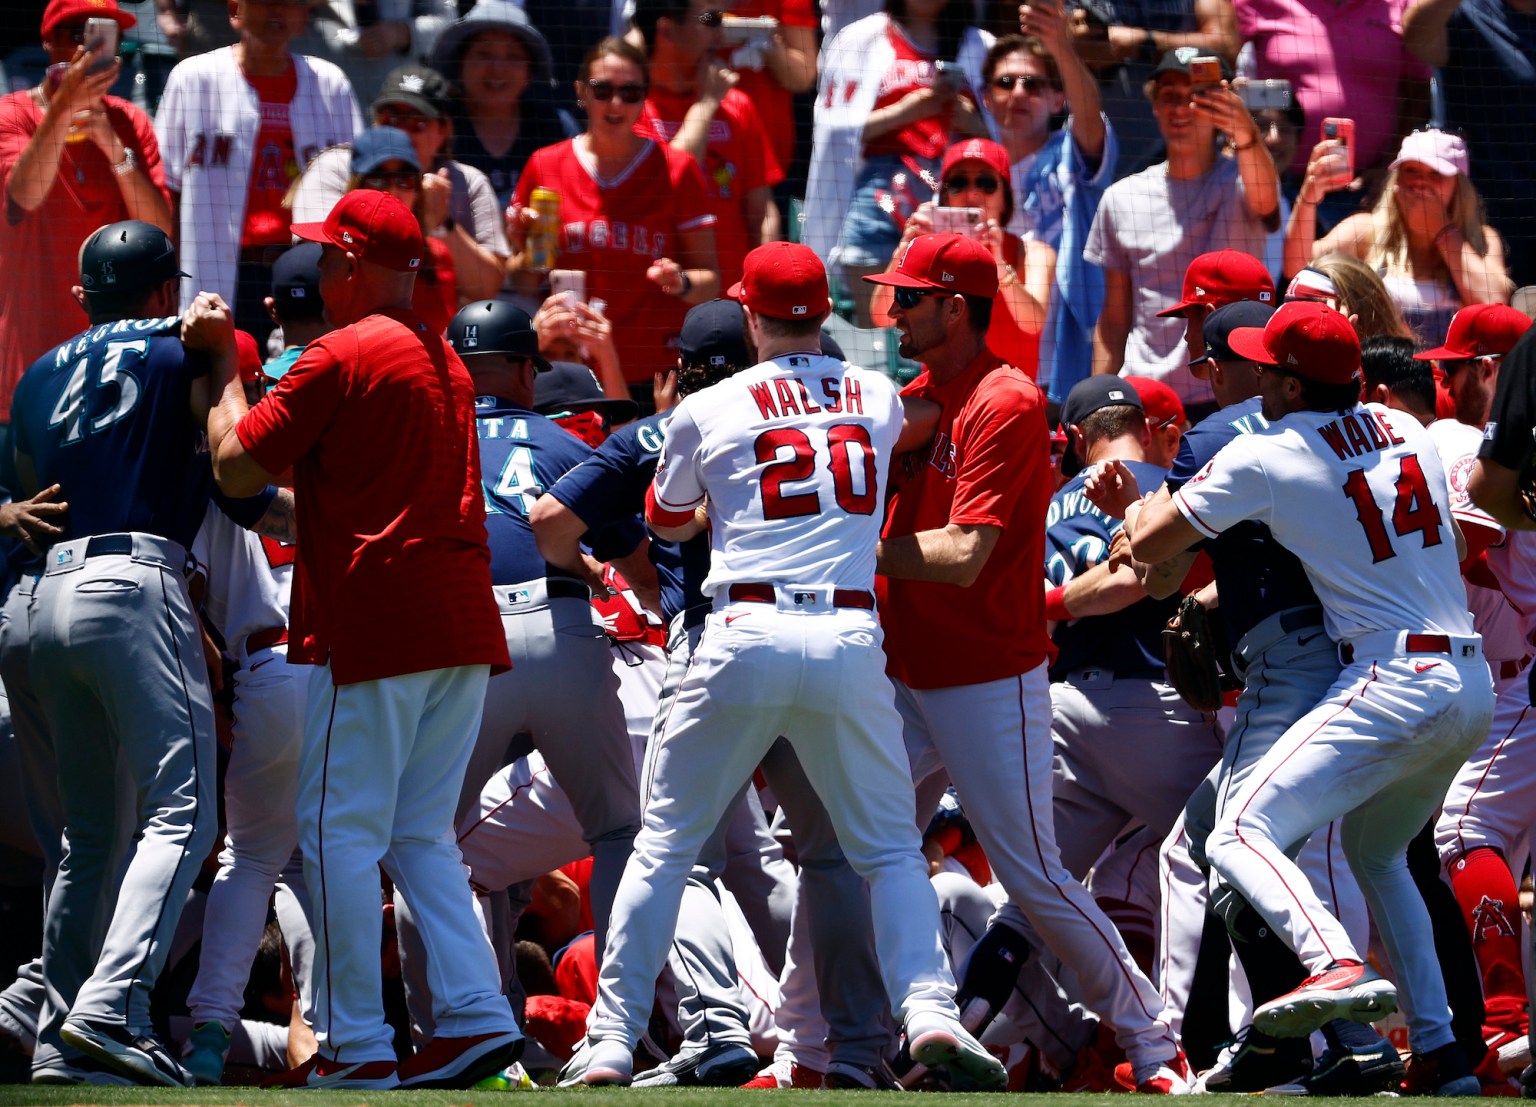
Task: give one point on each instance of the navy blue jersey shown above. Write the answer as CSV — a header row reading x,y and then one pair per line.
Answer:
x,y
521,455
1077,537
108,416
611,485
1255,575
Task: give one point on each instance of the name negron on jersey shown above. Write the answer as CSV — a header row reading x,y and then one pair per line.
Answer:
x,y
838,395
1359,433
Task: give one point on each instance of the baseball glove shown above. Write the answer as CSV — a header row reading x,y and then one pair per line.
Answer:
x,y
1195,650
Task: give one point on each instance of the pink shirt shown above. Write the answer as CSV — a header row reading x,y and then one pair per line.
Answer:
x,y
1343,60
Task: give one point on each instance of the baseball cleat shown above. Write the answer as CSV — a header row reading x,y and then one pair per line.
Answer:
x,y
610,1064
135,1055
1441,1072
725,1065
936,1039
1346,990
1254,1061
843,1075
461,1062
318,1072
82,1070
1166,1077
786,1074
1356,1070
207,1049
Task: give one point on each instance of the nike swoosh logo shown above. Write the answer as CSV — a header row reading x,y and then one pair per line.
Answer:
x,y
316,1079
1424,666
1308,638
729,619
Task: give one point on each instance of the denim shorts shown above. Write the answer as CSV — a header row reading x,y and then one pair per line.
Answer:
x,y
886,193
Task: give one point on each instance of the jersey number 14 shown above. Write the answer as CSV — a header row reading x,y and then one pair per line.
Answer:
x,y
1413,509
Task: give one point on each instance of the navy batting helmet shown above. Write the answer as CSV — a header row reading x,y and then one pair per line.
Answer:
x,y
127,259
495,327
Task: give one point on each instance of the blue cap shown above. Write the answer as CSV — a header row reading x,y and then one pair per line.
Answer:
x,y
377,145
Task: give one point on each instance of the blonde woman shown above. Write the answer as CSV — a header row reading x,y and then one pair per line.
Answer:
x,y
1425,236
1364,296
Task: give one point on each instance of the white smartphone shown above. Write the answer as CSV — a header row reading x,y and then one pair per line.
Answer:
x,y
573,281
956,221
101,40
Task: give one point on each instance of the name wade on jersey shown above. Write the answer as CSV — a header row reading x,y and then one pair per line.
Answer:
x,y
1358,433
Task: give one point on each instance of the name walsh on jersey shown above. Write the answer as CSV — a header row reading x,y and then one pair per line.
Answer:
x,y
786,396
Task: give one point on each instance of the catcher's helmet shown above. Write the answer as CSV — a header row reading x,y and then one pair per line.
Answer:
x,y
125,259
494,327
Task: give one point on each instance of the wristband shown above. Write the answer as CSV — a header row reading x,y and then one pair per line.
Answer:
x,y
1056,604
1239,149
127,165
687,285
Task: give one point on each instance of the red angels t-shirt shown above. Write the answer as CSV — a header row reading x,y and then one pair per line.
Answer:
x,y
1004,336
737,159
775,105
613,230
989,464
43,246
275,166
909,71
393,576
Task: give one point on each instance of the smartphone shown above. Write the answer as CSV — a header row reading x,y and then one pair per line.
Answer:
x,y
956,221
1344,131
1271,95
573,281
1205,72
101,40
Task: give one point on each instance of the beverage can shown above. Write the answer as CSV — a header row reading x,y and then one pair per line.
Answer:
x,y
544,235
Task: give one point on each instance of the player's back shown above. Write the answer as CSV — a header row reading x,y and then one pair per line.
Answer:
x,y
1362,500
794,455
107,415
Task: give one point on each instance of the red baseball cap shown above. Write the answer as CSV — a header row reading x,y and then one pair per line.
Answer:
x,y
1224,277
62,11
1161,403
1306,338
984,150
248,358
950,262
784,280
373,226
1479,330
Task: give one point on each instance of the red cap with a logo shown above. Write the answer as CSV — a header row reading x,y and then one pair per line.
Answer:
x,y
64,11
1305,338
784,280
373,226
1478,331
1223,277
949,262
984,150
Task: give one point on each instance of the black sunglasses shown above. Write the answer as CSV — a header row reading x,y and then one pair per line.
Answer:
x,y
985,185
604,91
1031,83
400,178
1452,366
909,298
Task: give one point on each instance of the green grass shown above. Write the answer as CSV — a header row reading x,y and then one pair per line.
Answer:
x,y
547,1097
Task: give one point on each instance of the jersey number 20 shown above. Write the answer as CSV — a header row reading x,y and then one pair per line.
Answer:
x,y
1413,510
843,439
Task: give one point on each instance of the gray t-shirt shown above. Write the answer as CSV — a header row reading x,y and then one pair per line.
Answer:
x,y
1152,227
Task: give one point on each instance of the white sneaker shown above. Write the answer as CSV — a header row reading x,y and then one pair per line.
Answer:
x,y
610,1064
934,1038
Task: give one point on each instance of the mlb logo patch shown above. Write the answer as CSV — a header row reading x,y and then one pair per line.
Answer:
x,y
64,557
471,336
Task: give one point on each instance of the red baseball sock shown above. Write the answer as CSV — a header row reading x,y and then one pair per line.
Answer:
x,y
1490,906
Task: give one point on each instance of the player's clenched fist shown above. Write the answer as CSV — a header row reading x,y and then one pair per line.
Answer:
x,y
1112,488
208,324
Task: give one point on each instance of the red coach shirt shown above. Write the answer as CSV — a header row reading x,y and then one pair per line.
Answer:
x,y
393,574
988,465
614,229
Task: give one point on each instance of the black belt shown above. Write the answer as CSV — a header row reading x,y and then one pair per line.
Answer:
x,y
1300,619
695,615
766,593
559,588
104,544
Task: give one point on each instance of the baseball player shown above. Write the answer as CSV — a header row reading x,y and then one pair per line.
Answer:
x,y
1127,746
1486,813
963,612
791,455
398,687
116,653
712,348
1357,492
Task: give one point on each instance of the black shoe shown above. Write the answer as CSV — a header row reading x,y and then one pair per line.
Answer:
x,y
846,1077
138,1056
1350,1071
727,1065
1255,1061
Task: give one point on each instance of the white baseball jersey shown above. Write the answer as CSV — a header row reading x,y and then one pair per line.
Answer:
x,y
1492,614
787,453
1514,567
250,578
1361,499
